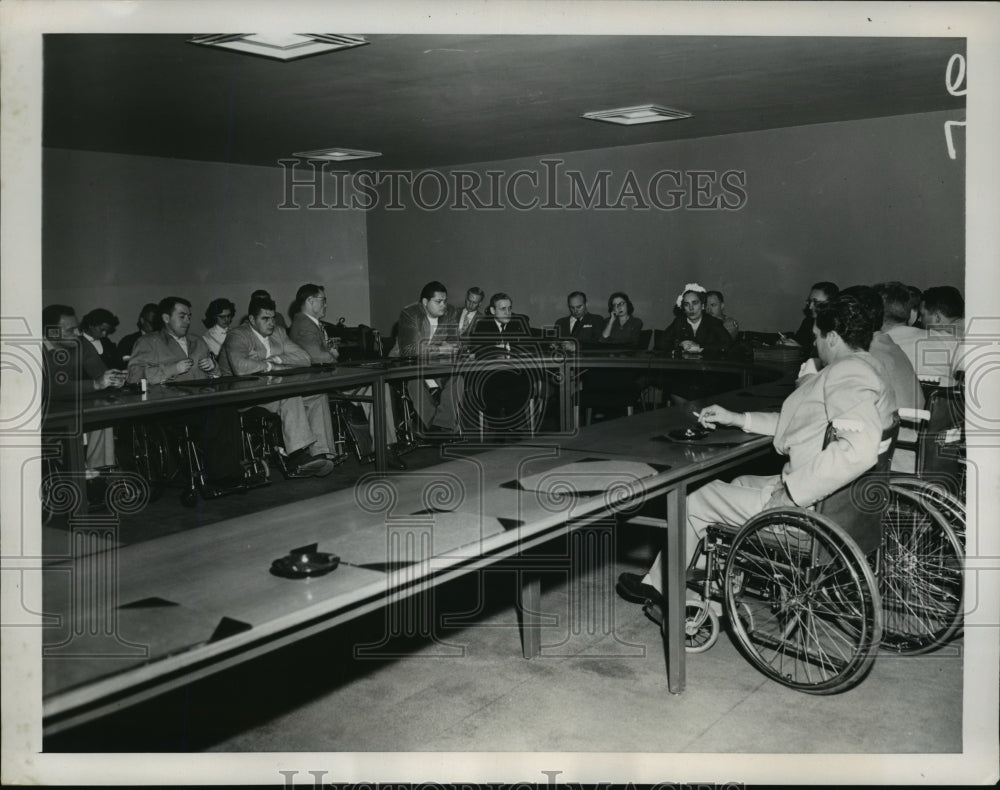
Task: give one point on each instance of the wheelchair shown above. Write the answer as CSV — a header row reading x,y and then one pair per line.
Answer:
x,y
923,533
799,593
810,596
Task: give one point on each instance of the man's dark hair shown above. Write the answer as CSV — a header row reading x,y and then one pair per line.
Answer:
x,y
167,305
717,293
433,287
149,307
499,295
475,290
581,294
846,316
258,303
895,301
99,316
307,290
628,302
52,314
830,289
944,299
215,307
870,301
259,292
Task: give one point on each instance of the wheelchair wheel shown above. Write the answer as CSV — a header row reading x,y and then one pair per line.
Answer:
x,y
920,574
949,505
806,611
701,627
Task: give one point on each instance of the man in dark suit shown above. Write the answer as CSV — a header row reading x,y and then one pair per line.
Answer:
x,y
581,325
428,329
70,372
149,322
502,392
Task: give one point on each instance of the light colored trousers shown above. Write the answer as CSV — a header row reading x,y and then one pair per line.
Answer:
x,y
305,422
720,503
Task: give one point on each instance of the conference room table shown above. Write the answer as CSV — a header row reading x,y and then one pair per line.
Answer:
x,y
70,419
131,622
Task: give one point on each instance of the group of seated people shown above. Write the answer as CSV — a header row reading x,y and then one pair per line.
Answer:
x,y
164,349
80,359
859,379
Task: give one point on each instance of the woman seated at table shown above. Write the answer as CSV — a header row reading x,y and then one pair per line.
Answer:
x,y
694,331
622,328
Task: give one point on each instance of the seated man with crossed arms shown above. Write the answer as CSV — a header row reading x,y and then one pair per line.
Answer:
x,y
851,392
259,346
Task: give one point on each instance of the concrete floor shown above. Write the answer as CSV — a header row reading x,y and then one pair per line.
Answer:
x,y
599,685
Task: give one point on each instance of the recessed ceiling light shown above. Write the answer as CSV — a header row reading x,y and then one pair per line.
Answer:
x,y
280,46
337,154
644,113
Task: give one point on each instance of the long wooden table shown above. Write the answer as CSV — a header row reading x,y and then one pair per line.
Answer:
x,y
142,619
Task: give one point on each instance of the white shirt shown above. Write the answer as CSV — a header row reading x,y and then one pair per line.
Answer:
x,y
181,341
694,326
266,341
215,337
466,320
572,323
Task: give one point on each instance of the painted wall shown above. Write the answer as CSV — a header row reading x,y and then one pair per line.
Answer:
x,y
851,202
119,231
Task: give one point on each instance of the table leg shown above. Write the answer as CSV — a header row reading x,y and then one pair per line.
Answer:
x,y
378,425
530,606
673,570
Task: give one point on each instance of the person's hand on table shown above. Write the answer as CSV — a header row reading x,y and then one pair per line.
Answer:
x,y
206,364
183,366
713,415
780,498
787,341
690,346
110,378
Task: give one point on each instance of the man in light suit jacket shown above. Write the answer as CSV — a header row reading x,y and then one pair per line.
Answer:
x,y
580,324
174,354
428,329
261,347
308,332
851,392
472,311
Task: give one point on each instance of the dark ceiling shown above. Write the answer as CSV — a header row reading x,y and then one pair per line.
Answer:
x,y
425,100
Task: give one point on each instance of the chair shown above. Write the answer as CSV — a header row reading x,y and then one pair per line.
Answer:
x,y
800,596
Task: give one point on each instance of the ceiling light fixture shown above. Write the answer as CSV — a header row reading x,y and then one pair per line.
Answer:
x,y
631,116
280,46
337,154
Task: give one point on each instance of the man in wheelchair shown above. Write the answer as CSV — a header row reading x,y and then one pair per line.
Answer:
x,y
851,392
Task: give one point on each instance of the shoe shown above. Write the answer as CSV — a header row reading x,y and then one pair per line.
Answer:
x,y
630,587
317,466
